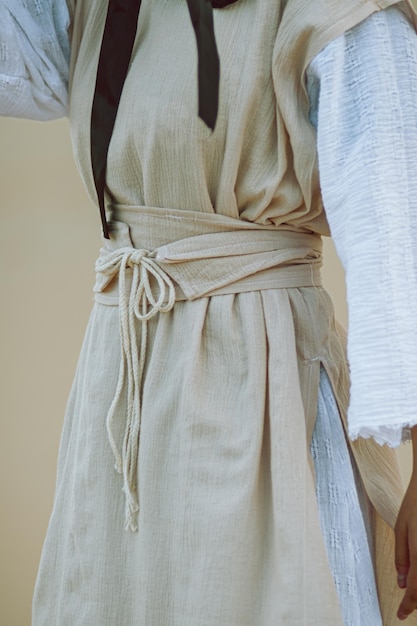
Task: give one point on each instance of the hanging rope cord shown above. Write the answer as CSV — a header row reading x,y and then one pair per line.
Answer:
x,y
138,303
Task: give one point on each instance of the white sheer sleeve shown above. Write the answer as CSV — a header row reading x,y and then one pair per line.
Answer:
x,y
34,56
363,93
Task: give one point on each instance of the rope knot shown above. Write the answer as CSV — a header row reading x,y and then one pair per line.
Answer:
x,y
135,257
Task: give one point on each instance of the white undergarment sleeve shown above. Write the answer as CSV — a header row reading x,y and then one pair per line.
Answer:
x,y
363,92
34,58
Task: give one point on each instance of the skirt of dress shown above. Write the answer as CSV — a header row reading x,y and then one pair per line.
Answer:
x,y
229,527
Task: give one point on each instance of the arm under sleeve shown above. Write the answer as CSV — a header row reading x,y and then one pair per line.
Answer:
x,y
34,58
363,93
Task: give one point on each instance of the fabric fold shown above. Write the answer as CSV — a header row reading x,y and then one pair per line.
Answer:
x,y
200,264
215,252
304,30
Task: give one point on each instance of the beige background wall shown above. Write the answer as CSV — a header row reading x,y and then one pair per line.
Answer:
x,y
49,238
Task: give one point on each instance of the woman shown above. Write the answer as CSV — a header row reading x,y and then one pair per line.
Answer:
x,y
212,363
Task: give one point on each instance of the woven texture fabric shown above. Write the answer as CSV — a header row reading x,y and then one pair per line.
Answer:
x,y
34,59
383,51
366,84
344,515
229,526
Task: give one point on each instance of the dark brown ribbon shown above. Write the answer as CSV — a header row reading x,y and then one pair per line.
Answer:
x,y
115,54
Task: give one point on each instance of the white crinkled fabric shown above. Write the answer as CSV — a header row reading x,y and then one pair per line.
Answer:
x,y
34,58
359,130
366,85
363,90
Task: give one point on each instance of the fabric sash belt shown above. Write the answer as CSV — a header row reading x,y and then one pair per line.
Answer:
x,y
155,257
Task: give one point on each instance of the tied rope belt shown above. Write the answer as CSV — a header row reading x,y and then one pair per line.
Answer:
x,y
141,283
140,304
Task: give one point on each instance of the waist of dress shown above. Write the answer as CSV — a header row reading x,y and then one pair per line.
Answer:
x,y
155,257
204,254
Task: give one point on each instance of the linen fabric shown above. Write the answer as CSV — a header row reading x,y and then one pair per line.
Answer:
x,y
33,83
248,513
205,519
345,515
209,256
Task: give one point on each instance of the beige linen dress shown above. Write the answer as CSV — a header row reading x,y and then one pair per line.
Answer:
x,y
222,373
